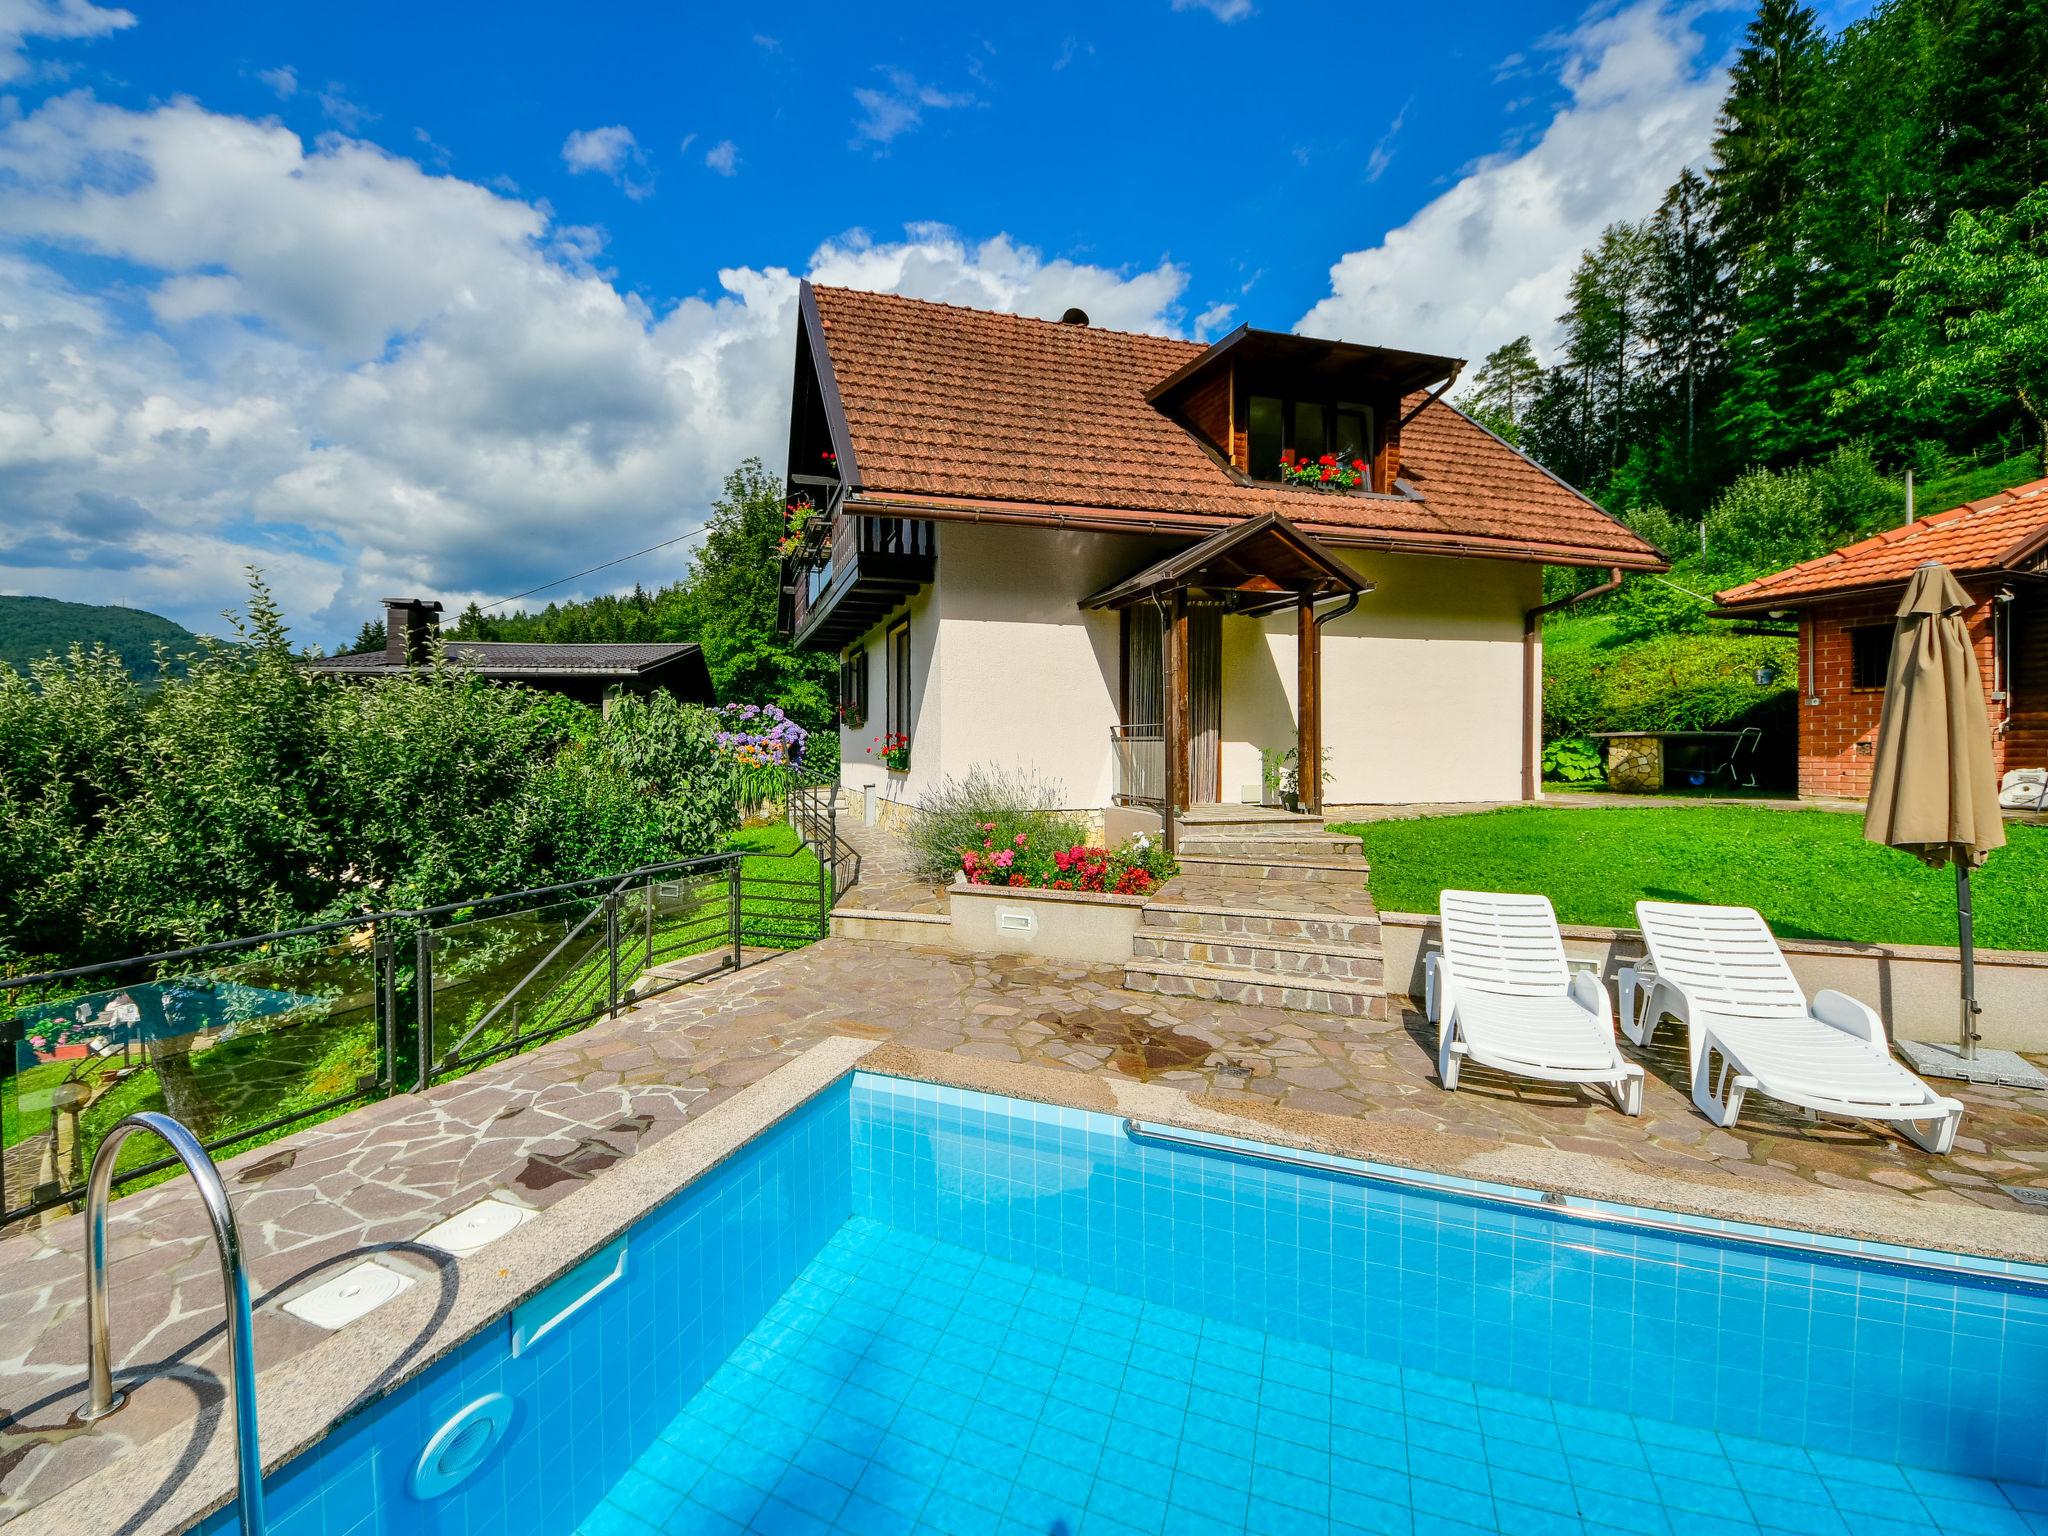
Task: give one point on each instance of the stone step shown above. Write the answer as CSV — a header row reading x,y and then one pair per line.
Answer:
x,y
1326,870
1359,932
1308,994
1268,956
1247,816
1250,846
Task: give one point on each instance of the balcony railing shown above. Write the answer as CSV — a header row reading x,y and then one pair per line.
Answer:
x,y
887,548
1138,762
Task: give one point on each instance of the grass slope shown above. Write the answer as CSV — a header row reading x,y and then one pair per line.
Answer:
x,y
34,627
1809,872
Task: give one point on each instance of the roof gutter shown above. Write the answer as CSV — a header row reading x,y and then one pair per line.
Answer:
x,y
1430,399
1532,677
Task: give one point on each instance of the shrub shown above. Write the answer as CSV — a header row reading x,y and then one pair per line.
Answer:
x,y
1768,520
989,802
248,794
1668,683
1573,760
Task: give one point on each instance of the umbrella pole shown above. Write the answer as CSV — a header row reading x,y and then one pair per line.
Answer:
x,y
1964,923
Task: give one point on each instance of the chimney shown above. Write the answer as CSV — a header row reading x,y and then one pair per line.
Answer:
x,y
410,624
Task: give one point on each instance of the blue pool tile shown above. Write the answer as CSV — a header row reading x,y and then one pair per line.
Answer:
x,y
1392,1364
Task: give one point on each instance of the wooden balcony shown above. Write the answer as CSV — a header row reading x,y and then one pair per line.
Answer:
x,y
874,564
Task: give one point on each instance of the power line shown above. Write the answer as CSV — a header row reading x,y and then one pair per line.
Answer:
x,y
687,533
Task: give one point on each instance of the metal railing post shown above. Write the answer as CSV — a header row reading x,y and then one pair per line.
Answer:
x,y
733,907
384,961
647,920
423,986
611,945
828,866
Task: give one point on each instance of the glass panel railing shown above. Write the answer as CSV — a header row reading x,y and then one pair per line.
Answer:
x,y
240,1042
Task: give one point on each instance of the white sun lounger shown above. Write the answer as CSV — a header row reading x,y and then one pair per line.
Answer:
x,y
1719,972
1506,999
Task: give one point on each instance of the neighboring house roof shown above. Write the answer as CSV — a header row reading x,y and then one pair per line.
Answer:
x,y
499,658
951,408
2006,532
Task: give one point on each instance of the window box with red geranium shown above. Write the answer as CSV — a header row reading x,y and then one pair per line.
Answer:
x,y
1328,473
894,751
806,535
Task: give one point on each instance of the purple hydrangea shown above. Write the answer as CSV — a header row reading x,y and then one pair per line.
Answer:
x,y
762,734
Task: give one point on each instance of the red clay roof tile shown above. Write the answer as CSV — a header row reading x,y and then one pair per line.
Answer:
x,y
1989,535
946,402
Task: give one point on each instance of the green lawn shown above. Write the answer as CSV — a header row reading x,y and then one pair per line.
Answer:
x,y
1809,872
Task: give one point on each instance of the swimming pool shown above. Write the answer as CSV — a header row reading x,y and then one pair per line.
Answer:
x,y
915,1308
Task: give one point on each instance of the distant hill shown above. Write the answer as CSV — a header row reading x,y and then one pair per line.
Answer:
x,y
33,627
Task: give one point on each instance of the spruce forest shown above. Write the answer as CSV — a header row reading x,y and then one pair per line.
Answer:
x,y
1851,288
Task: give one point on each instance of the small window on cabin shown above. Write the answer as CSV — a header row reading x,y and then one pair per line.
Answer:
x,y
1268,437
1870,655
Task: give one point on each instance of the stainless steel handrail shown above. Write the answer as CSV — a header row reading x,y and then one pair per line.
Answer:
x,y
102,1399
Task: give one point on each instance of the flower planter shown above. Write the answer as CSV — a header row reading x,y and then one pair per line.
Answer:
x,y
1082,926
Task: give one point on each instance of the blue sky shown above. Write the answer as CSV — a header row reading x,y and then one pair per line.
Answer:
x,y
459,298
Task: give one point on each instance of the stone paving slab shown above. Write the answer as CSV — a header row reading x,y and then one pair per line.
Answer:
x,y
537,1127
888,881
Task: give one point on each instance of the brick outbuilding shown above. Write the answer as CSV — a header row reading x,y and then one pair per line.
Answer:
x,y
1845,603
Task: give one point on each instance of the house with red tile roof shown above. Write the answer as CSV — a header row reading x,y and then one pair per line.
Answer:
x,y
1136,564
1845,603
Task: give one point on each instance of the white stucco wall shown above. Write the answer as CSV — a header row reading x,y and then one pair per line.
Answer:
x,y
860,752
1421,682
1006,668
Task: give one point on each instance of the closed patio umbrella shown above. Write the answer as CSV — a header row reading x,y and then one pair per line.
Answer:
x,y
1933,791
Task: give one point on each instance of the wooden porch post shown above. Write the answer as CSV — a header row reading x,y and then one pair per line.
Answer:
x,y
1175,655
1308,745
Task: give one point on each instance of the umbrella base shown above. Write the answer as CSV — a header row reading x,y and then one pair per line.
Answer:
x,y
1932,1059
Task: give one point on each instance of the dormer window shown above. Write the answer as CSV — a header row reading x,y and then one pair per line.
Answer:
x,y
1283,430
1261,400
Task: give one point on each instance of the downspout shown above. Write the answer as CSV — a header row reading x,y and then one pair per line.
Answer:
x,y
1532,678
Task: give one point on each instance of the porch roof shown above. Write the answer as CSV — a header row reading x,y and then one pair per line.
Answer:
x,y
1265,562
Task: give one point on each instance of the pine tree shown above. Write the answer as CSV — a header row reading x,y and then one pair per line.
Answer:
x,y
1759,162
1504,388
1687,326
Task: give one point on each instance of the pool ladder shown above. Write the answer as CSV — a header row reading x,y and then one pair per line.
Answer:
x,y
101,1398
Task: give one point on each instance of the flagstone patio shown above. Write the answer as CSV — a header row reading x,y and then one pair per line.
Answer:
x,y
534,1127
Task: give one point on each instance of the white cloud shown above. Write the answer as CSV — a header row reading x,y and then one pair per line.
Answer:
x,y
885,114
337,107
611,152
284,80
1212,320
365,378
22,21
1383,151
1222,10
723,157
1489,259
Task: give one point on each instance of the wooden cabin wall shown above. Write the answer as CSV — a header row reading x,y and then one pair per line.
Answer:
x,y
1208,411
